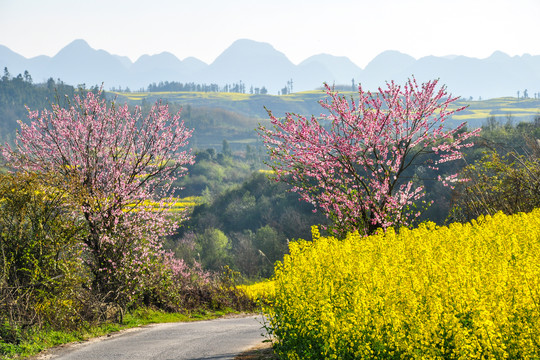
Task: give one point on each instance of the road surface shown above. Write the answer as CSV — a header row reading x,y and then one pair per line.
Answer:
x,y
204,340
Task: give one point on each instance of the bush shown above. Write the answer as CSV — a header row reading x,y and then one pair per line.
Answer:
x,y
465,291
39,267
509,183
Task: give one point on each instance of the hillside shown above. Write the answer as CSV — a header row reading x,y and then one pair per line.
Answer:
x,y
307,103
229,116
234,116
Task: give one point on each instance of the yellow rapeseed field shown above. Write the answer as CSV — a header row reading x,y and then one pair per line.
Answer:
x,y
466,291
173,206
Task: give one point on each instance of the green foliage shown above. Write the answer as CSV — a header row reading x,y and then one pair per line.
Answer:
x,y
18,92
44,295
38,254
306,103
508,183
270,246
506,177
212,247
258,217
212,174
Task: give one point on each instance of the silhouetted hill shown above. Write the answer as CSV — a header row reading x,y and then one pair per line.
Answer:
x,y
9,57
338,68
494,76
160,67
259,64
78,63
385,67
253,63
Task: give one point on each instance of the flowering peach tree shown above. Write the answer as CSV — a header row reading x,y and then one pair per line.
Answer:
x,y
350,162
111,160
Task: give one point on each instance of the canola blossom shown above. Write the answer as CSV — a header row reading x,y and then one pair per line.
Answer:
x,y
259,291
466,291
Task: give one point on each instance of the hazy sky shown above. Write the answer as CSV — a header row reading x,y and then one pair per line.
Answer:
x,y
358,29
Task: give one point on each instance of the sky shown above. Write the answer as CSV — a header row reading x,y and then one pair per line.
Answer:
x,y
357,29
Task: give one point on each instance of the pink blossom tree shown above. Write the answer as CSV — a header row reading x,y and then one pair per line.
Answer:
x,y
116,167
350,162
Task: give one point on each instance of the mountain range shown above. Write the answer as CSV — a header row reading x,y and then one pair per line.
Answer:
x,y
259,64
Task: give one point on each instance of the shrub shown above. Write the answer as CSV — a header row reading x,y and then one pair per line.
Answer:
x,y
509,183
39,269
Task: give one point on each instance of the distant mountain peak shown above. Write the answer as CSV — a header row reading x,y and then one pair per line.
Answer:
x,y
342,70
244,51
450,57
257,64
78,44
246,47
325,57
392,55
249,42
194,60
499,56
165,55
385,67
76,47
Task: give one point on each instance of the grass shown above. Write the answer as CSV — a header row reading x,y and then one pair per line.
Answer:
x,y
38,341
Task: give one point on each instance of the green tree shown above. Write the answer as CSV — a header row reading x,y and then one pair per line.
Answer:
x,y
271,248
240,211
226,148
246,258
7,75
213,248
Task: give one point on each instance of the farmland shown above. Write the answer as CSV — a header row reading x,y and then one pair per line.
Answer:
x,y
306,103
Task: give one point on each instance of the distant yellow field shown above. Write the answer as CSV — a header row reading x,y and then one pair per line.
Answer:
x,y
184,96
306,103
175,206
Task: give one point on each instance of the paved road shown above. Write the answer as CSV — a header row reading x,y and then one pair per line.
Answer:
x,y
202,340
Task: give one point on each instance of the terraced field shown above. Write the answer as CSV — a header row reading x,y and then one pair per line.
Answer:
x,y
502,108
252,110
307,103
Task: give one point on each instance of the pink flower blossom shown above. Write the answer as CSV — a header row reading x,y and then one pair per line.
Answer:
x,y
365,145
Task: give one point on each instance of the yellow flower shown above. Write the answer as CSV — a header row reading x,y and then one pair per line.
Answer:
x,y
467,291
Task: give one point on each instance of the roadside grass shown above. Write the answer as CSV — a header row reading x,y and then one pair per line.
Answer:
x,y
37,341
